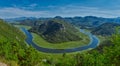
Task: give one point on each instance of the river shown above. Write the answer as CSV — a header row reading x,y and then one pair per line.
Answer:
x,y
94,41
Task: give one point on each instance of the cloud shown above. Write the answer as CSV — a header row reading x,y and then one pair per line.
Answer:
x,y
71,10
51,11
16,12
33,5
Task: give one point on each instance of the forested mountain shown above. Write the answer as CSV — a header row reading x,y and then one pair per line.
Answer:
x,y
56,30
91,21
105,29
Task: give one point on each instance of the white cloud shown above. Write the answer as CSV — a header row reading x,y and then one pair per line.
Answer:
x,y
64,11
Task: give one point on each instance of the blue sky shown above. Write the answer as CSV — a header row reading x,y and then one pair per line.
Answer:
x,y
65,8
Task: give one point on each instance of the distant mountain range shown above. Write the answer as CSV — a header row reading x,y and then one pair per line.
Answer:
x,y
91,21
84,22
19,19
98,25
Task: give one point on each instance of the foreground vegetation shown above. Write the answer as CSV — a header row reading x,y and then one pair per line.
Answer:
x,y
13,49
14,52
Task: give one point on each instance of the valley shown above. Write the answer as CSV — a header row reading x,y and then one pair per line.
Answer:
x,y
60,33
42,42
94,42
42,52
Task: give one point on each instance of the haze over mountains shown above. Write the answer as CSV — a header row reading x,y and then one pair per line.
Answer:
x,y
90,21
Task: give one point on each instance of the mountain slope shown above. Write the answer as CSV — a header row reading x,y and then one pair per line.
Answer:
x,y
105,29
13,49
56,31
11,33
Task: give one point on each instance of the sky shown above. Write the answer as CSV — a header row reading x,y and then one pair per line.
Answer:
x,y
64,8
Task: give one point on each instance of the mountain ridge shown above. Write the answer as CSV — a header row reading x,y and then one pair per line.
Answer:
x,y
105,29
83,22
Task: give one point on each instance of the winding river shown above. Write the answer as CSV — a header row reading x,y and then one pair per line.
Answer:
x,y
94,41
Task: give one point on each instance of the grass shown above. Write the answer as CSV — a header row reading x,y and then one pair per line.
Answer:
x,y
8,62
103,38
72,44
27,27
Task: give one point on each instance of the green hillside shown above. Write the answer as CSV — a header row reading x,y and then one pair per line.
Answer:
x,y
11,33
57,31
13,49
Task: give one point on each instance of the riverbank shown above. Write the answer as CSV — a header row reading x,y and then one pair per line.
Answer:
x,y
65,45
94,42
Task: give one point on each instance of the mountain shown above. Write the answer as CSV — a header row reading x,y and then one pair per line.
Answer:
x,y
91,21
56,31
105,29
19,19
28,22
83,22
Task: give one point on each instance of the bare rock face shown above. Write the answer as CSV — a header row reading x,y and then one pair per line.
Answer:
x,y
3,64
56,31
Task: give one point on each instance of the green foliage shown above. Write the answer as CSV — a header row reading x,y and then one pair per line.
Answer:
x,y
109,57
13,47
